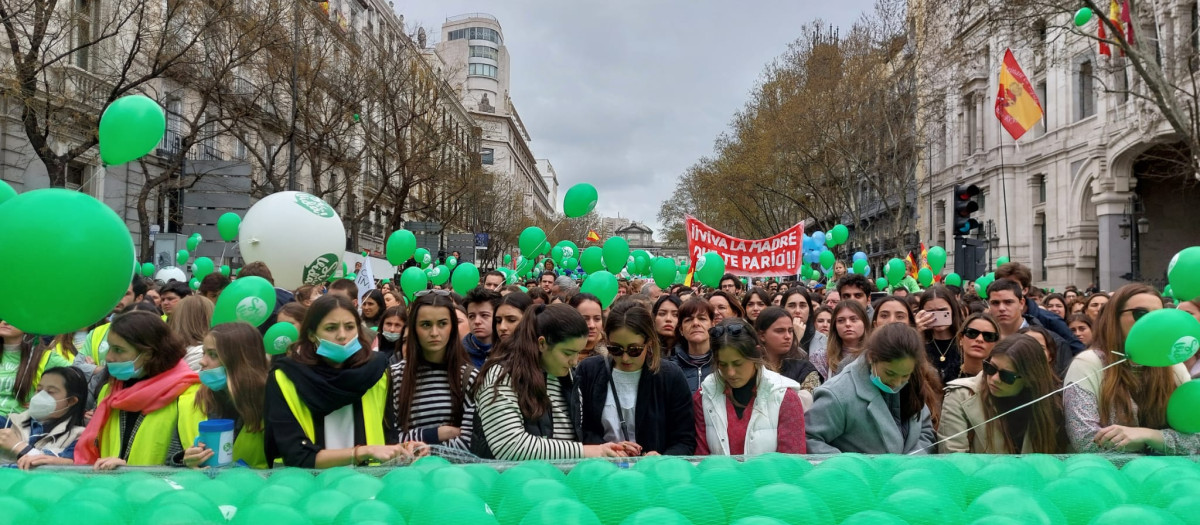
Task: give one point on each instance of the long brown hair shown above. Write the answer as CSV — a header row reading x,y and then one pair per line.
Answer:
x,y
458,363
940,291
240,348
897,341
519,356
833,351
149,334
1046,432
1121,389
769,316
304,350
632,316
191,319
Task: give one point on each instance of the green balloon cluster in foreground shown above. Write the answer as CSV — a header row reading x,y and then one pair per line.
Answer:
x,y
776,489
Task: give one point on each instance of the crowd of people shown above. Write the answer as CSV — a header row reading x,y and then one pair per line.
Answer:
x,y
543,371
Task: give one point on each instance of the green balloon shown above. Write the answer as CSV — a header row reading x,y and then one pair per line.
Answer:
x,y
830,242
182,256
423,258
560,511
130,127
148,269
860,267
201,267
709,269
227,226
616,254
530,241
936,259
225,270
279,337
194,283
248,299
828,259
894,271
441,274
881,283
524,265
1083,16
603,285
663,270
1167,291
368,511
840,233
401,245
1002,261
507,258
1183,272
413,280
570,250
981,284
925,277
803,506
580,200
571,264
592,259
451,262
641,262
953,280
48,229
556,253
352,276
6,192
194,241
465,278
1163,338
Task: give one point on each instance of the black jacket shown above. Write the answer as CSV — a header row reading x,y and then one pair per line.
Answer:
x,y
797,369
1066,354
693,373
1052,322
541,427
663,421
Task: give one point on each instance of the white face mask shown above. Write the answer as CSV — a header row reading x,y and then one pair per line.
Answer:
x,y
390,336
42,406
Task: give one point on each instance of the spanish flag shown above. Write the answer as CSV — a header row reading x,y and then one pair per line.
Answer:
x,y
1017,105
592,236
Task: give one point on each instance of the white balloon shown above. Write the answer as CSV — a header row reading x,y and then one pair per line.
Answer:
x,y
299,236
170,273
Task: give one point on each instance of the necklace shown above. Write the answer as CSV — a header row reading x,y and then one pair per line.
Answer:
x,y
940,351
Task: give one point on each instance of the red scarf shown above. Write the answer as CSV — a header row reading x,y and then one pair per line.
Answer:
x,y
145,396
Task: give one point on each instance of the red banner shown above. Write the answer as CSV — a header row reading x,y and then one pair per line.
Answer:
x,y
773,257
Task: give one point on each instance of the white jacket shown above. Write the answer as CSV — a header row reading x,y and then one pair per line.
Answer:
x,y
762,430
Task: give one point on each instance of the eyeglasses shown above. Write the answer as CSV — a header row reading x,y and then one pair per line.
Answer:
x,y
733,329
1138,312
632,350
439,293
1008,377
971,333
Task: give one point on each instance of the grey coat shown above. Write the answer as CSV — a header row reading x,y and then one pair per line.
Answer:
x,y
849,414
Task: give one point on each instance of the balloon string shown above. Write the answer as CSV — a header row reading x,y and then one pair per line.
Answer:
x,y
1064,388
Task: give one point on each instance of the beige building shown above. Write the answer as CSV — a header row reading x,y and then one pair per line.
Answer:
x,y
1089,195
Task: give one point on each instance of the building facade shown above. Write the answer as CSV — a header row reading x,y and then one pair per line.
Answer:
x,y
1090,195
477,63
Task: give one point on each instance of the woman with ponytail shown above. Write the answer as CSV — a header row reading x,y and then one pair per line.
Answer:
x,y
527,405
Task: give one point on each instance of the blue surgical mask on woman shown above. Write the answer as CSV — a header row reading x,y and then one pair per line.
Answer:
x,y
338,353
213,378
124,370
883,387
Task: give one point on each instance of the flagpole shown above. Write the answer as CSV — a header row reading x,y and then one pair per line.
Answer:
x,y
1004,190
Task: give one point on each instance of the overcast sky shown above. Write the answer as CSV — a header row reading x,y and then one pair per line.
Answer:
x,y
626,94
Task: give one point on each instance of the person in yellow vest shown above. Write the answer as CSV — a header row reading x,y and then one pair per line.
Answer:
x,y
325,401
233,371
139,417
21,367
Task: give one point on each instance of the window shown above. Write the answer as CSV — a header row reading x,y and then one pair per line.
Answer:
x,y
1041,227
476,33
1043,125
1121,80
1041,189
172,139
1085,101
971,123
483,70
84,13
484,52
239,149
488,155
982,200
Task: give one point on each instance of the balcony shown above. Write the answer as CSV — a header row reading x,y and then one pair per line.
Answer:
x,y
75,84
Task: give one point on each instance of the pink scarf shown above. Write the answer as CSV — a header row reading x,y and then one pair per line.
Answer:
x,y
145,396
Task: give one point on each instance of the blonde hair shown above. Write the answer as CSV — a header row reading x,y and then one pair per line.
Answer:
x,y
191,318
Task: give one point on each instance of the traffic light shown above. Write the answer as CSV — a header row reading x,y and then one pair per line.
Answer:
x,y
964,206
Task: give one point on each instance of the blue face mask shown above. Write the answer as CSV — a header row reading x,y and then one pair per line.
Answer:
x,y
875,380
124,371
213,378
338,353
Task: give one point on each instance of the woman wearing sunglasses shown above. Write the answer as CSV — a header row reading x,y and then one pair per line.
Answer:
x,y
881,403
745,408
1117,405
1015,373
978,336
633,396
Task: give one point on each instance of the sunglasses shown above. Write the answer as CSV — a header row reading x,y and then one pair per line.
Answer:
x,y
1137,313
632,350
439,293
733,329
1006,376
971,333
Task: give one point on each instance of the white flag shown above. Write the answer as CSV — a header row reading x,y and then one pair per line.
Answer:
x,y
365,279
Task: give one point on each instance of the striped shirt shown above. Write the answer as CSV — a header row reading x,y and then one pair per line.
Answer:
x,y
431,406
500,417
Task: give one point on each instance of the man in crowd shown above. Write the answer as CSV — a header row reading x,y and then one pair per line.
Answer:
x,y
731,285
546,281
493,281
481,307
1020,274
